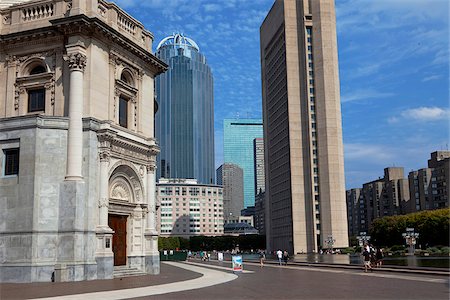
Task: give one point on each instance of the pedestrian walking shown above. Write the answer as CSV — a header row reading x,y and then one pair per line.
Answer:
x,y
367,263
262,258
280,256
379,256
285,257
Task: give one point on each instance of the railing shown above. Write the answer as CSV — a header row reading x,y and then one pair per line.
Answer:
x,y
126,24
37,12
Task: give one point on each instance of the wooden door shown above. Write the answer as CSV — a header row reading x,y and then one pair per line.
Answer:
x,y
119,225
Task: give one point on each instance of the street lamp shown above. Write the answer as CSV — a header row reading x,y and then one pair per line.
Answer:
x,y
330,242
410,238
363,238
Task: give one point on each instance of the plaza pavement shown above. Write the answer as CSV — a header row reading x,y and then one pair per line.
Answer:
x,y
215,280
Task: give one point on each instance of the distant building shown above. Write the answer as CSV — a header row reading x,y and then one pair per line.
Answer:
x,y
241,219
379,198
429,187
249,211
231,178
304,157
188,208
258,154
260,213
237,229
184,123
238,136
356,212
424,189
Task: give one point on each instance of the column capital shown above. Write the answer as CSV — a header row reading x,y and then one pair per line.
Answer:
x,y
104,155
151,168
77,61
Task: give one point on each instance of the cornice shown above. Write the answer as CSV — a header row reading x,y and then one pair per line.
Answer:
x,y
84,25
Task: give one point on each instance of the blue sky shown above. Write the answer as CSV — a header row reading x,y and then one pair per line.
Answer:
x,y
394,71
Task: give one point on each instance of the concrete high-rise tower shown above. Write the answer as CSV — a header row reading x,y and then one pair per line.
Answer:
x,y
185,120
305,186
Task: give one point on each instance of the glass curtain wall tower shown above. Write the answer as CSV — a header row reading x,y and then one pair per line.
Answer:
x,y
184,124
238,136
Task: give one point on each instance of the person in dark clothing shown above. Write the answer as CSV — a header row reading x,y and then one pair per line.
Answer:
x,y
367,263
285,257
379,257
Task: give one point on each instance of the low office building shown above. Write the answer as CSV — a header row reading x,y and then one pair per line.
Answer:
x,y
188,208
236,229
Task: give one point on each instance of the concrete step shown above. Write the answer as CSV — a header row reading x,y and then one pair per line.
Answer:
x,y
124,271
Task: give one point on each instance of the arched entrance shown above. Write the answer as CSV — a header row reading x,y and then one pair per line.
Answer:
x,y
125,191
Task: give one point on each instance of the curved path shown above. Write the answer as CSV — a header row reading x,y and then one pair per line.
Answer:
x,y
210,277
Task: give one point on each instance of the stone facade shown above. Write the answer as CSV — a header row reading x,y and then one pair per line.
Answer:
x,y
77,141
303,146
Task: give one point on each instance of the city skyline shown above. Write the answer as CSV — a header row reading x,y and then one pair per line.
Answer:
x,y
392,54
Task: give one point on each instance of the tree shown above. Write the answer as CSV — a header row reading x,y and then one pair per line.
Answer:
x,y
432,225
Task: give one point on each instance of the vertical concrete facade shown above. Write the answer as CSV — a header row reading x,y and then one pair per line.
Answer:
x,y
305,186
231,178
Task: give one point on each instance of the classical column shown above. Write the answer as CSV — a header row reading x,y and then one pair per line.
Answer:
x,y
152,264
104,255
151,199
105,138
77,64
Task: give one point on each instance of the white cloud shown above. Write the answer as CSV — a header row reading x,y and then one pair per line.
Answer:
x,y
361,95
426,114
212,7
358,151
431,77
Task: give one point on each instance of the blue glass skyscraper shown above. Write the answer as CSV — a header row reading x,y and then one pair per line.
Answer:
x,y
238,136
184,123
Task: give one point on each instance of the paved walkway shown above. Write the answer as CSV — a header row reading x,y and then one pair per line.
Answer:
x,y
209,277
214,280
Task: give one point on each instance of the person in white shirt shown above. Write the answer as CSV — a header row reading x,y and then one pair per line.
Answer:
x,y
280,256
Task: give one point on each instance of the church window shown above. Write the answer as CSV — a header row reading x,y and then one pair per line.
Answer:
x,y
36,100
11,161
123,112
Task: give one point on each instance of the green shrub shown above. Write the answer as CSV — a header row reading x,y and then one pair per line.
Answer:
x,y
397,248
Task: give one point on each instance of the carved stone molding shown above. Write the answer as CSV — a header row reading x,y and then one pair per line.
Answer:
x,y
137,215
151,168
6,18
121,191
19,89
103,202
102,10
51,87
105,156
77,62
105,138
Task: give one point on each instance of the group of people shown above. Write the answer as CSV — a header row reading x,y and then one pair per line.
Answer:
x,y
372,257
283,257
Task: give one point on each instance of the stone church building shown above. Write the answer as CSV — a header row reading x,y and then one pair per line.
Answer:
x,y
77,146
